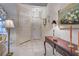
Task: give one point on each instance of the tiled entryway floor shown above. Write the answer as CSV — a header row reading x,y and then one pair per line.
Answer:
x,y
33,48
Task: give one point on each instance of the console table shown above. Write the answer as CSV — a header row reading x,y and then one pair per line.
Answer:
x,y
60,45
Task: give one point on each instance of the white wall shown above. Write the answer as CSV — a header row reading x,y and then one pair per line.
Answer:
x,y
64,34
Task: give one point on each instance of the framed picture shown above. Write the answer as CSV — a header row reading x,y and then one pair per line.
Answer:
x,y
69,16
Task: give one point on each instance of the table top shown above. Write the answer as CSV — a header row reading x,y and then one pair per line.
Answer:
x,y
63,43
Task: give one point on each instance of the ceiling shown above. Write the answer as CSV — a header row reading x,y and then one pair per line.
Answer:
x,y
37,4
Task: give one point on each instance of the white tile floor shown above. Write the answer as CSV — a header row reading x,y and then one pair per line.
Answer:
x,y
32,48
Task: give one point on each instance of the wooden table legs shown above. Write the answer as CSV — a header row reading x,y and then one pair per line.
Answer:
x,y
45,48
53,46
